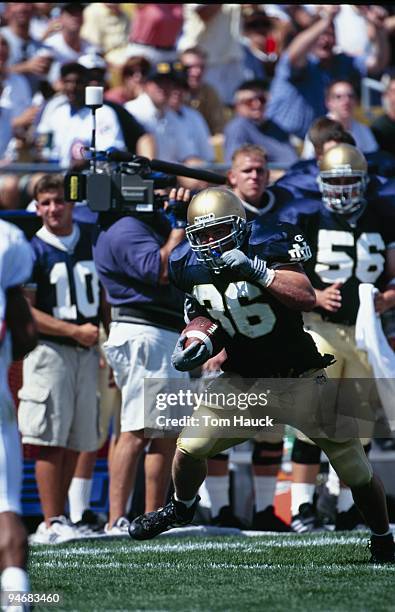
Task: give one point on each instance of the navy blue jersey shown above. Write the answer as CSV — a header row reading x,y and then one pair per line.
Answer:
x,y
262,337
67,284
127,257
273,198
348,249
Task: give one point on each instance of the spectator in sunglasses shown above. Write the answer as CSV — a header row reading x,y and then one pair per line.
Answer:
x,y
250,126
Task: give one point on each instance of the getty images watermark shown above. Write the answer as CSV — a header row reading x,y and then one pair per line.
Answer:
x,y
213,401
238,407
198,406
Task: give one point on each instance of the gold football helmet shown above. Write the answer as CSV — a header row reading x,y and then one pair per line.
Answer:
x,y
217,222
343,178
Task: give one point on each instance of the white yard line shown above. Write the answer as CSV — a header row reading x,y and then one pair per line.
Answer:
x,y
247,546
334,568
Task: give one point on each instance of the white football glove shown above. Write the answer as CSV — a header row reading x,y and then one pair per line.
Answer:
x,y
249,269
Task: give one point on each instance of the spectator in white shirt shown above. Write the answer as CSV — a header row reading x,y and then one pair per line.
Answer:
x,y
194,126
16,116
152,111
15,93
216,28
341,102
27,55
69,125
67,45
45,20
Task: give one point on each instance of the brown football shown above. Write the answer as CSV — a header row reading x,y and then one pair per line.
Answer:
x,y
204,331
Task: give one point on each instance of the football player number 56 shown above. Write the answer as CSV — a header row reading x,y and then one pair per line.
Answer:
x,y
334,265
251,320
86,287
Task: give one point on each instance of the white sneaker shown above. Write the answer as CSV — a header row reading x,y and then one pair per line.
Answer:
x,y
120,527
60,530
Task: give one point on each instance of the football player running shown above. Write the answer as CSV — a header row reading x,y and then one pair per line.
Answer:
x,y
352,239
248,178
250,280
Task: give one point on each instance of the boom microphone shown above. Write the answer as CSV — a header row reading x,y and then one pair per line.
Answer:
x,y
114,155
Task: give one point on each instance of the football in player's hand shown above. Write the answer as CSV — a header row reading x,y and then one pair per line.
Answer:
x,y
204,331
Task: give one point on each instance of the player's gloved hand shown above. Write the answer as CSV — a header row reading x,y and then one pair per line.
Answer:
x,y
249,269
176,209
185,359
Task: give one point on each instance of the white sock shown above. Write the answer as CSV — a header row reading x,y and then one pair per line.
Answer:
x,y
204,496
265,488
345,500
218,492
333,482
301,493
187,502
15,579
79,497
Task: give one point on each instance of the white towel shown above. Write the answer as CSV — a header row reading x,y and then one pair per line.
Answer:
x,y
369,336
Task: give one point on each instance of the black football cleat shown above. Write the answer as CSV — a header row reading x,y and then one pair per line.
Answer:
x,y
349,520
382,549
267,520
151,524
306,520
226,518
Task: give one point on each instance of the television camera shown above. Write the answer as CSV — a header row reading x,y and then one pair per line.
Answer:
x,y
120,182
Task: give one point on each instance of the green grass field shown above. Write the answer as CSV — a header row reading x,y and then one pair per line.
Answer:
x,y
322,572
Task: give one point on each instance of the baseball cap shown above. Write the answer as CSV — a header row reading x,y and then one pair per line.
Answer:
x,y
173,71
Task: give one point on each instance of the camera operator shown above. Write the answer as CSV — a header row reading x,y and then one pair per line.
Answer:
x,y
131,252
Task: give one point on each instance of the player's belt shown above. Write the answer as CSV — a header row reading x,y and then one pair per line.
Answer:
x,y
152,315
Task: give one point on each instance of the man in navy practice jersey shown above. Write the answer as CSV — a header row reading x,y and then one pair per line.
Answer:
x,y
58,408
131,254
250,281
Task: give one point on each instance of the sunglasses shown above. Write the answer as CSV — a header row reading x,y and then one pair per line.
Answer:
x,y
250,101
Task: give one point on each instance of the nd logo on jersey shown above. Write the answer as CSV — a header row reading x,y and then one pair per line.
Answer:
x,y
300,249
236,309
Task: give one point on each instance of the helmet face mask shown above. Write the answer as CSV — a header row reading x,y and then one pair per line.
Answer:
x,y
217,223
208,252
343,179
340,197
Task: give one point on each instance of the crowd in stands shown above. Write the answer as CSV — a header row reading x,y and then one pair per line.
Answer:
x,y
192,84
197,80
